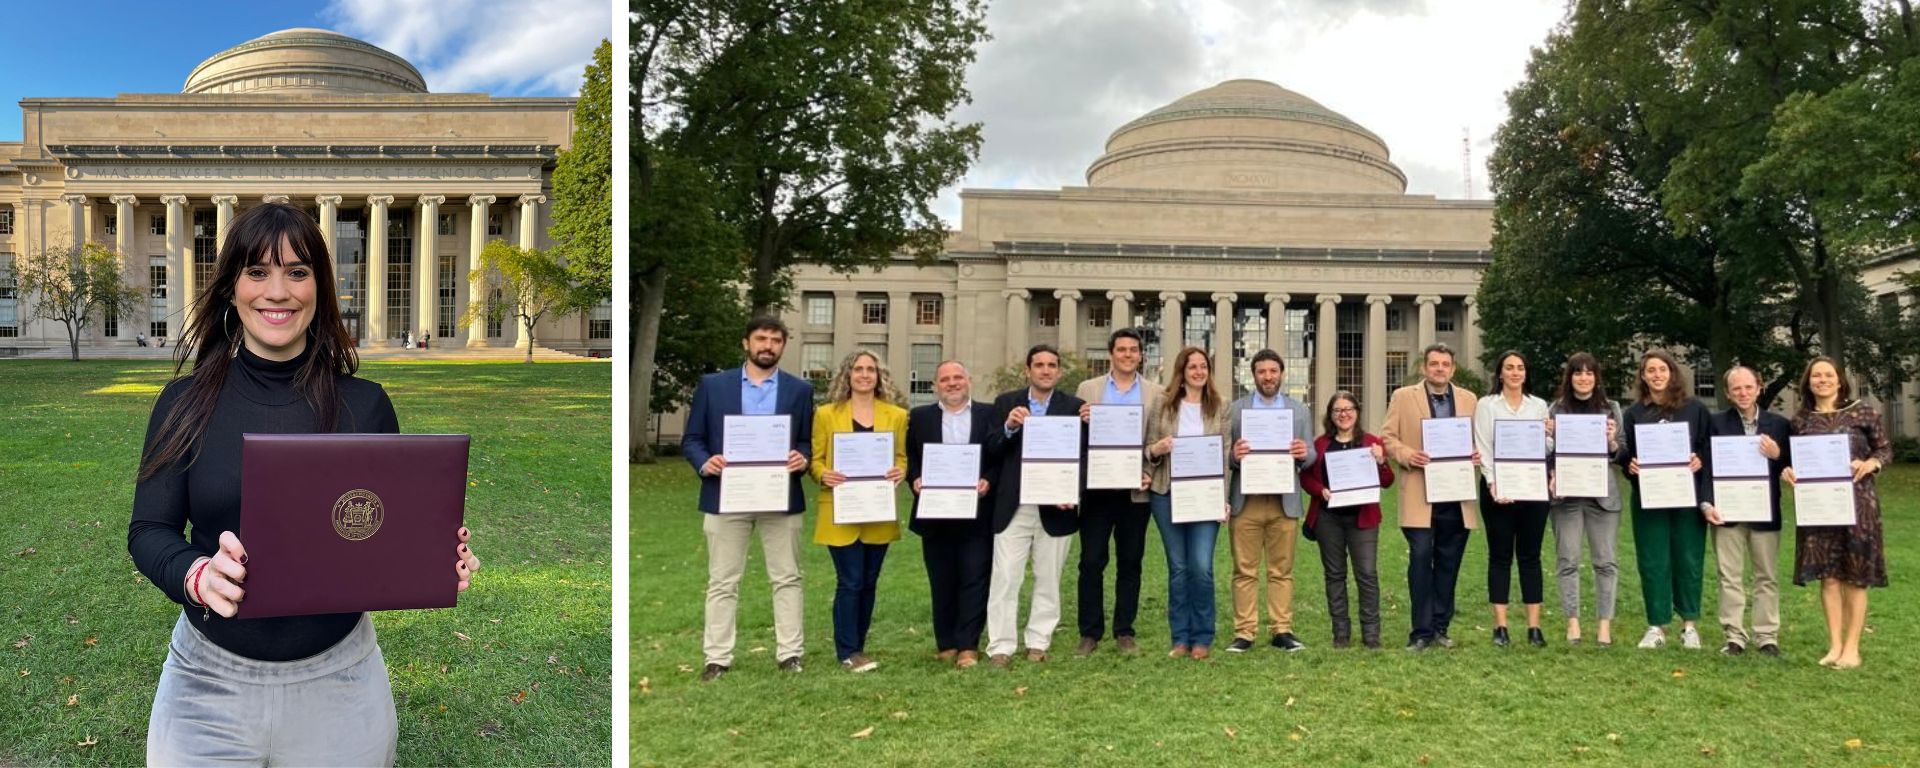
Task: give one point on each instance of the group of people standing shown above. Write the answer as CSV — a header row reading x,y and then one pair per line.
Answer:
x,y
977,567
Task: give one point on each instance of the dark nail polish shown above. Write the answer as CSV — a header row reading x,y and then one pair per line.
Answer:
x,y
243,559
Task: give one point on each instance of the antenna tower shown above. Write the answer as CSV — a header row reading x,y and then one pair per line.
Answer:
x,y
1466,162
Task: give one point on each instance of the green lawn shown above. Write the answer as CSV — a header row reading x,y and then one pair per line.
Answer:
x,y
1473,705
87,634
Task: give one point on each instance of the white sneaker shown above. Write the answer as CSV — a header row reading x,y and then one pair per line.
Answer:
x,y
1690,638
1654,638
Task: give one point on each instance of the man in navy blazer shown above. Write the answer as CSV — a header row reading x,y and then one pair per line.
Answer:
x,y
1736,545
757,388
958,553
1022,531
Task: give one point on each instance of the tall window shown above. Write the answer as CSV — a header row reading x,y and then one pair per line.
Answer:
x,y
1396,319
350,263
926,360
157,224
496,313
205,244
1350,348
1397,370
446,224
157,296
1199,328
1249,337
113,223
9,297
1704,384
1152,352
6,222
1049,313
496,225
927,311
400,274
820,309
600,322
816,364
873,311
1294,351
449,291
1099,315
1443,319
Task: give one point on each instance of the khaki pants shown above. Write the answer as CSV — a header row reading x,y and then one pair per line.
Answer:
x,y
1025,539
1735,547
1262,529
728,537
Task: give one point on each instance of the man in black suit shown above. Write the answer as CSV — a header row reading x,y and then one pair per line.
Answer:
x,y
958,553
1020,530
1736,545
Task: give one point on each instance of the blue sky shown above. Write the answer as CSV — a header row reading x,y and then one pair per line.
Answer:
x,y
502,47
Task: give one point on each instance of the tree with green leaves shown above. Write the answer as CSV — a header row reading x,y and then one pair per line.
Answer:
x,y
583,184
531,282
76,287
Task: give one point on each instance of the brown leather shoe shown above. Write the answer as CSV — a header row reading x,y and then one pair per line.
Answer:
x,y
1201,652
1178,651
946,656
967,660
1000,660
1086,647
1127,644
1036,656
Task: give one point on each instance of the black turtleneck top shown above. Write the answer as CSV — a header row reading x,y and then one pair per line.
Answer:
x,y
258,397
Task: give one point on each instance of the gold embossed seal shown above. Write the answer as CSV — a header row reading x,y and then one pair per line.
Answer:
x,y
357,515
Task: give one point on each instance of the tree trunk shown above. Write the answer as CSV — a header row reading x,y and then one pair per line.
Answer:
x,y
766,251
1826,311
529,322
73,340
652,285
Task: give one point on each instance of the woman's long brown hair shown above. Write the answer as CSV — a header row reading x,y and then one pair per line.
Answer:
x,y
1677,392
1210,402
254,237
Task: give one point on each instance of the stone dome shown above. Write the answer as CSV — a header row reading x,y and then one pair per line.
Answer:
x,y
1247,134
305,60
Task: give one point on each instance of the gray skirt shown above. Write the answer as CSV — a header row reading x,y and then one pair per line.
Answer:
x,y
214,707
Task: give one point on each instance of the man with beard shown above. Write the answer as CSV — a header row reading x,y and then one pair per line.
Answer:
x,y
1436,531
1735,545
1266,524
1027,531
958,553
1119,517
757,388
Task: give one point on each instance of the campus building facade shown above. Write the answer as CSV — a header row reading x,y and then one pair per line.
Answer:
x,y
408,187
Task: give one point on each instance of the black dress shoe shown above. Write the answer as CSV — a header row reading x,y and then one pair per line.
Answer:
x,y
712,672
1287,642
1732,649
1770,650
1536,638
1419,644
1500,637
1342,642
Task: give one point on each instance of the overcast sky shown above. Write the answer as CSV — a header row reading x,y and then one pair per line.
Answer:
x,y
1060,75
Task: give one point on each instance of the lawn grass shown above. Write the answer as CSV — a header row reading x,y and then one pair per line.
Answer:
x,y
1473,705
87,634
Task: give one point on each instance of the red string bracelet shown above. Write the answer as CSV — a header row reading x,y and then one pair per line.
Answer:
x,y
196,588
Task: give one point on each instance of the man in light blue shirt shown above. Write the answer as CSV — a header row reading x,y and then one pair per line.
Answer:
x,y
1266,524
1113,520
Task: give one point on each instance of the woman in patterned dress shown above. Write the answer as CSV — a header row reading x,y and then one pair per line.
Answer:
x,y
1846,560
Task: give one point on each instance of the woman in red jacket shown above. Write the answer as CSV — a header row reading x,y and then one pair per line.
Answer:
x,y
1347,534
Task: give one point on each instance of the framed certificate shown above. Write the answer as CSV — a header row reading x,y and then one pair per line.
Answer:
x,y
1269,468
1823,480
1353,477
949,477
1450,480
1666,474
1742,491
1199,487
1114,440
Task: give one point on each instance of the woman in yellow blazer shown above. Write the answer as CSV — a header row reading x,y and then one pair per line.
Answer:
x,y
861,398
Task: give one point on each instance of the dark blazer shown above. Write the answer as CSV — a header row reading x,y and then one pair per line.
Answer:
x,y
923,426
1770,424
1699,430
1058,521
718,397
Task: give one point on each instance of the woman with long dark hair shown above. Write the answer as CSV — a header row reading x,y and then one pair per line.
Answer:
x,y
1515,527
1846,560
1596,522
1669,545
269,354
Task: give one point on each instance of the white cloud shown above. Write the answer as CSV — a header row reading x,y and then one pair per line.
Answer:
x,y
1060,76
496,46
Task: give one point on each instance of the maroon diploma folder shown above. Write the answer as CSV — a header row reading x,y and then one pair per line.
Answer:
x,y
340,523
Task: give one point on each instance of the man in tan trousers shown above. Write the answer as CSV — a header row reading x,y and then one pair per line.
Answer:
x,y
1436,532
1266,525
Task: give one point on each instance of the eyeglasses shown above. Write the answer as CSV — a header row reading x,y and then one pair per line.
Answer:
x,y
1345,411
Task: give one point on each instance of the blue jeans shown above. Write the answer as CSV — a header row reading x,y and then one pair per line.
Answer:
x,y
1190,608
857,567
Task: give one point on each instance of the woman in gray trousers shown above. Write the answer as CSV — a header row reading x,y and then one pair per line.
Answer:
x,y
1596,521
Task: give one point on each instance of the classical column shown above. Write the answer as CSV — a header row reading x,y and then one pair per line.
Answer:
x,y
1325,376
1223,370
222,216
477,242
123,235
1069,320
529,218
1173,331
329,216
1277,322
1470,356
427,258
376,318
77,219
949,326
1017,320
1427,304
1374,353
179,266
846,323
899,324
1122,308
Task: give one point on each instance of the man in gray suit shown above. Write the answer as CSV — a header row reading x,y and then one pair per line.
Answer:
x,y
1267,524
